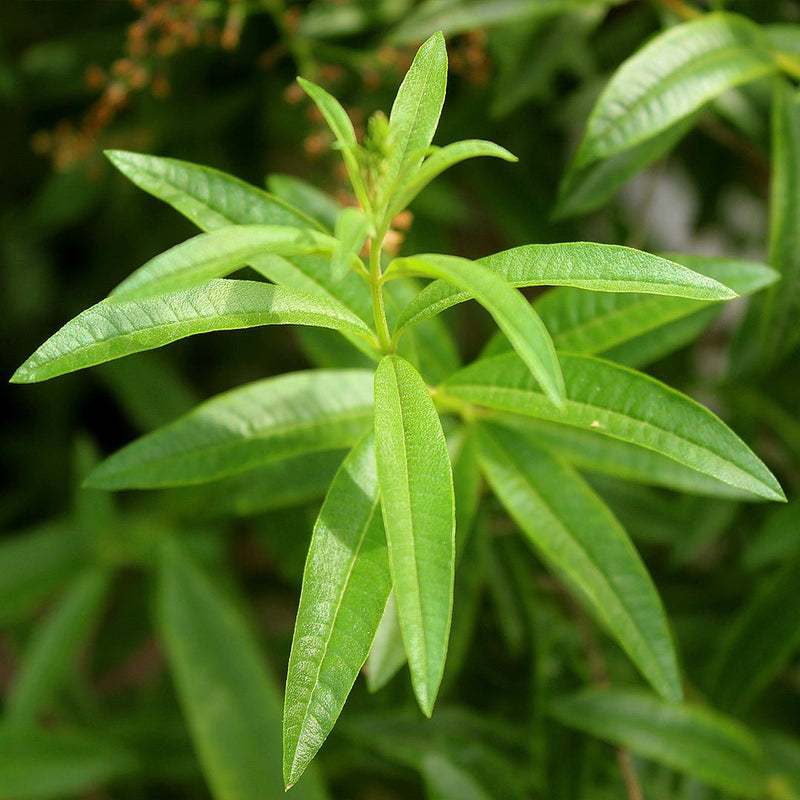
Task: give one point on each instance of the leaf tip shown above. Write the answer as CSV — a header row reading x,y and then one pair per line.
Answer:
x,y
23,374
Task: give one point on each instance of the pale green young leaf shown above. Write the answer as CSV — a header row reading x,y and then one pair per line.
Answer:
x,y
352,228
230,701
51,652
213,199
38,764
610,400
587,188
271,419
780,332
670,78
415,114
440,160
305,197
114,329
692,739
346,585
579,538
417,501
342,127
217,254
759,642
387,654
583,265
513,315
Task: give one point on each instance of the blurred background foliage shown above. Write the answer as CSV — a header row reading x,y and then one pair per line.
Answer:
x,y
212,81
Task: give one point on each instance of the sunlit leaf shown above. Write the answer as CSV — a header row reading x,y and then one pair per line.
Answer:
x,y
416,485
345,588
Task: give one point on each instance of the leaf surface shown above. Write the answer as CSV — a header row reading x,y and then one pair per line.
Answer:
x,y
417,501
579,537
387,654
217,254
695,740
345,588
672,76
271,419
513,315
615,401
111,329
230,701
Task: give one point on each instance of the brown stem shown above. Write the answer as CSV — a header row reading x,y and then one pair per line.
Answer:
x,y
681,8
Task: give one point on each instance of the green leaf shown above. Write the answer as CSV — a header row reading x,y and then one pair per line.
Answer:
x,y
51,764
415,114
346,585
759,642
352,227
113,329
584,265
777,541
343,130
615,401
780,332
217,254
279,484
53,647
441,159
672,76
231,703
600,322
518,321
695,740
418,506
587,188
305,197
34,564
271,419
445,780
212,199
387,654
578,536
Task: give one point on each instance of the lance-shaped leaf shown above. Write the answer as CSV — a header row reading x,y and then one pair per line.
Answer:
x,y
579,537
584,265
695,740
352,227
415,113
600,322
217,254
230,701
212,199
275,418
387,654
305,197
345,588
114,329
418,506
49,765
779,328
342,127
513,315
675,74
438,161
53,648
615,401
760,641
584,189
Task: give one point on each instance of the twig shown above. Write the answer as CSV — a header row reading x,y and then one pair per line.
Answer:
x,y
681,8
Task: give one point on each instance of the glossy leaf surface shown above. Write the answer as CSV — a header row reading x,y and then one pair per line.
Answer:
x,y
513,315
387,654
345,588
671,77
698,741
275,418
578,536
217,254
417,501
230,701
615,401
113,329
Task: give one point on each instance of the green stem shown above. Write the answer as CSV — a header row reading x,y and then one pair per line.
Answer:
x,y
789,64
680,8
376,288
